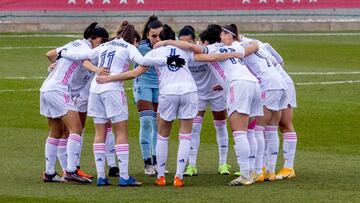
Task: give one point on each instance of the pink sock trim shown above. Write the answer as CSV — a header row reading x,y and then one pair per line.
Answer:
x,y
219,123
123,148
75,137
52,141
271,128
184,136
290,136
99,148
198,120
62,143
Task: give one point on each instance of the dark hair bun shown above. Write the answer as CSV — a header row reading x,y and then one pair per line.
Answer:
x,y
167,33
90,30
153,18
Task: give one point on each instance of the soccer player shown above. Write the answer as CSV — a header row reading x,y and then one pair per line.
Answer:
x,y
243,96
56,104
286,123
146,92
178,99
107,102
205,81
274,99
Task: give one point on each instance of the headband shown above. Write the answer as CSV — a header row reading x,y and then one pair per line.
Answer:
x,y
226,30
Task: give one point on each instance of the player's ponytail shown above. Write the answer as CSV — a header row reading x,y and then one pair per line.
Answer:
x,y
233,30
93,31
89,30
121,28
137,36
152,23
167,33
128,32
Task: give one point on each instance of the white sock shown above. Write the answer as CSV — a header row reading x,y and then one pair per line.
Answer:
x,y
51,147
122,152
110,148
161,154
222,139
61,153
242,150
259,135
81,146
183,154
253,148
73,151
272,140
195,140
99,154
289,148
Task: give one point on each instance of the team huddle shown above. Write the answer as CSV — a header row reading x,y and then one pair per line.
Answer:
x,y
241,79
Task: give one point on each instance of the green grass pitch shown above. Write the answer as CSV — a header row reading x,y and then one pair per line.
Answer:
x,y
327,122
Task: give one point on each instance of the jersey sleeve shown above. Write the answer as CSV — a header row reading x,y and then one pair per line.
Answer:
x,y
147,60
81,54
210,49
65,47
273,52
265,53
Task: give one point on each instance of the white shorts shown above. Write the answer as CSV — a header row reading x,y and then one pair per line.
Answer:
x,y
275,100
108,106
217,104
178,106
55,104
291,95
81,101
244,97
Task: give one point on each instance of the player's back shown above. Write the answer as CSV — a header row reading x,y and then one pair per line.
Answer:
x,y
114,56
233,68
262,68
204,78
172,79
60,78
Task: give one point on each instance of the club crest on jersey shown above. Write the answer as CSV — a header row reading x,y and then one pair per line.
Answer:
x,y
172,67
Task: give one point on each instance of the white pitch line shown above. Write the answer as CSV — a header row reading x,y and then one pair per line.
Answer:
x,y
304,34
41,47
290,73
19,90
324,73
22,78
255,34
37,35
37,90
328,83
130,88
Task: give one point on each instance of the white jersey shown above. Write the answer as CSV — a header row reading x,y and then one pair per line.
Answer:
x,y
231,69
205,80
116,56
268,76
174,80
61,77
277,61
80,81
284,74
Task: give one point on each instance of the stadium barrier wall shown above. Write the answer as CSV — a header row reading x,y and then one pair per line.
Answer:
x,y
250,15
271,26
